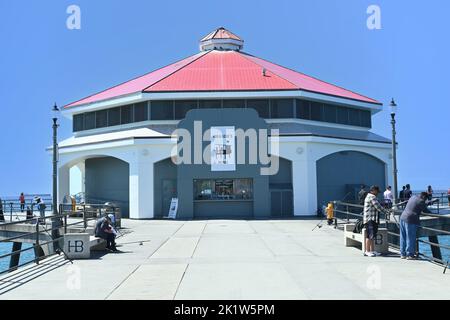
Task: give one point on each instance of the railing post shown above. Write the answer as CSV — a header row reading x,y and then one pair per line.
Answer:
x,y
37,241
65,224
84,217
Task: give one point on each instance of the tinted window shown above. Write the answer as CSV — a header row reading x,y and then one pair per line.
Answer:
x,y
234,103
161,110
316,111
342,115
214,104
182,107
89,120
101,118
140,112
366,120
114,116
126,114
354,117
78,122
262,106
329,113
282,108
303,109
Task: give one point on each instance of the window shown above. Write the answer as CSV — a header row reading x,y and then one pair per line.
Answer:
x,y
101,118
366,119
261,106
316,111
303,109
89,120
78,122
114,117
183,106
234,103
354,118
282,108
126,114
211,104
223,189
329,113
161,110
342,115
140,111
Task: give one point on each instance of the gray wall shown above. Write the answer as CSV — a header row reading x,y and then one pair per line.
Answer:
x,y
107,179
239,118
165,172
283,179
340,174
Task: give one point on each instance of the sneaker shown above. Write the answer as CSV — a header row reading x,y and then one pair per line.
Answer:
x,y
402,257
410,258
369,254
376,253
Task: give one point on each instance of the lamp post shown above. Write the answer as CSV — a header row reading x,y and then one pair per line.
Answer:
x,y
394,150
55,220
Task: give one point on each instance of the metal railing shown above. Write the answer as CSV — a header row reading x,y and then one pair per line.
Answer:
x,y
350,212
55,230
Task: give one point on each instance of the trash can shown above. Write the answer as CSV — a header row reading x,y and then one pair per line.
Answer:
x,y
114,208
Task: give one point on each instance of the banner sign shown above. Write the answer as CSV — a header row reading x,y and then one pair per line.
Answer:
x,y
173,208
223,149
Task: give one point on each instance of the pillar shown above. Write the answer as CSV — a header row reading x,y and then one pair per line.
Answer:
x,y
304,183
63,182
141,190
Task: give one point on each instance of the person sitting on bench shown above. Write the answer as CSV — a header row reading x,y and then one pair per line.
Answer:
x,y
104,230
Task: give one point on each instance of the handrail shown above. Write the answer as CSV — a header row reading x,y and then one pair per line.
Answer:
x,y
396,212
65,211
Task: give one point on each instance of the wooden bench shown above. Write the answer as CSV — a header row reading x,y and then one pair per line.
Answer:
x,y
352,239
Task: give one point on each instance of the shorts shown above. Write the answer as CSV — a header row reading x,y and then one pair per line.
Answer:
x,y
372,229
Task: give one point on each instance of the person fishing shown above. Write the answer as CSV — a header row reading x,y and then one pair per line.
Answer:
x,y
104,230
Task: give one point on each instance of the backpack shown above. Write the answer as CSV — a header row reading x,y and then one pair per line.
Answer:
x,y
359,225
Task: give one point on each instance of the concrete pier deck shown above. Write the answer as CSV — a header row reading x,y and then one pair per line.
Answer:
x,y
229,259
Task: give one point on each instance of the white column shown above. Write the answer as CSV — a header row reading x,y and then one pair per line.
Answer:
x,y
63,182
304,183
82,167
141,190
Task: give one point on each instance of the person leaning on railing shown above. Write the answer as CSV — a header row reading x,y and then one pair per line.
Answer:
x,y
371,219
409,222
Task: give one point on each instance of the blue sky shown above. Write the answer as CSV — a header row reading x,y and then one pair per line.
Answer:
x,y
42,62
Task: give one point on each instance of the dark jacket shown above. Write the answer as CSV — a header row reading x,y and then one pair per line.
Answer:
x,y
414,207
100,228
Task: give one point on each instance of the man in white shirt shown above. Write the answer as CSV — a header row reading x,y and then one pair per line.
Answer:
x,y
388,197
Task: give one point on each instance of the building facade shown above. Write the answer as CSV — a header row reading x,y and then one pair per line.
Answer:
x,y
312,139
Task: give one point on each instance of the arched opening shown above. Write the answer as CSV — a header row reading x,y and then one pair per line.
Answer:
x,y
96,180
340,175
280,187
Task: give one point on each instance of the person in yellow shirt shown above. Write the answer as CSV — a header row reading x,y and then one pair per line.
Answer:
x,y
330,213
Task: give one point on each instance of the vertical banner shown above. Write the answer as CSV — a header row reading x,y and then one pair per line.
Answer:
x,y
223,154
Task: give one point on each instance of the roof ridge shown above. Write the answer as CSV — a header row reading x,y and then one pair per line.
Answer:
x,y
202,54
132,79
307,75
240,52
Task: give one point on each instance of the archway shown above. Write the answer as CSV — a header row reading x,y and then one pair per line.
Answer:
x,y
340,175
100,178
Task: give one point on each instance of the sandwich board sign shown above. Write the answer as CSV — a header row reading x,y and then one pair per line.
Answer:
x,y
173,208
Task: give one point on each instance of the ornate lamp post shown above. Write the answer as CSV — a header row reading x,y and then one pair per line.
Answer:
x,y
394,150
55,221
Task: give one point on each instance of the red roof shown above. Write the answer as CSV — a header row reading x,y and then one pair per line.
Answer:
x,y
222,71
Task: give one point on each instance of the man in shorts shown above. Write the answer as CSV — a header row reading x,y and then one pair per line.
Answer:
x,y
371,219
